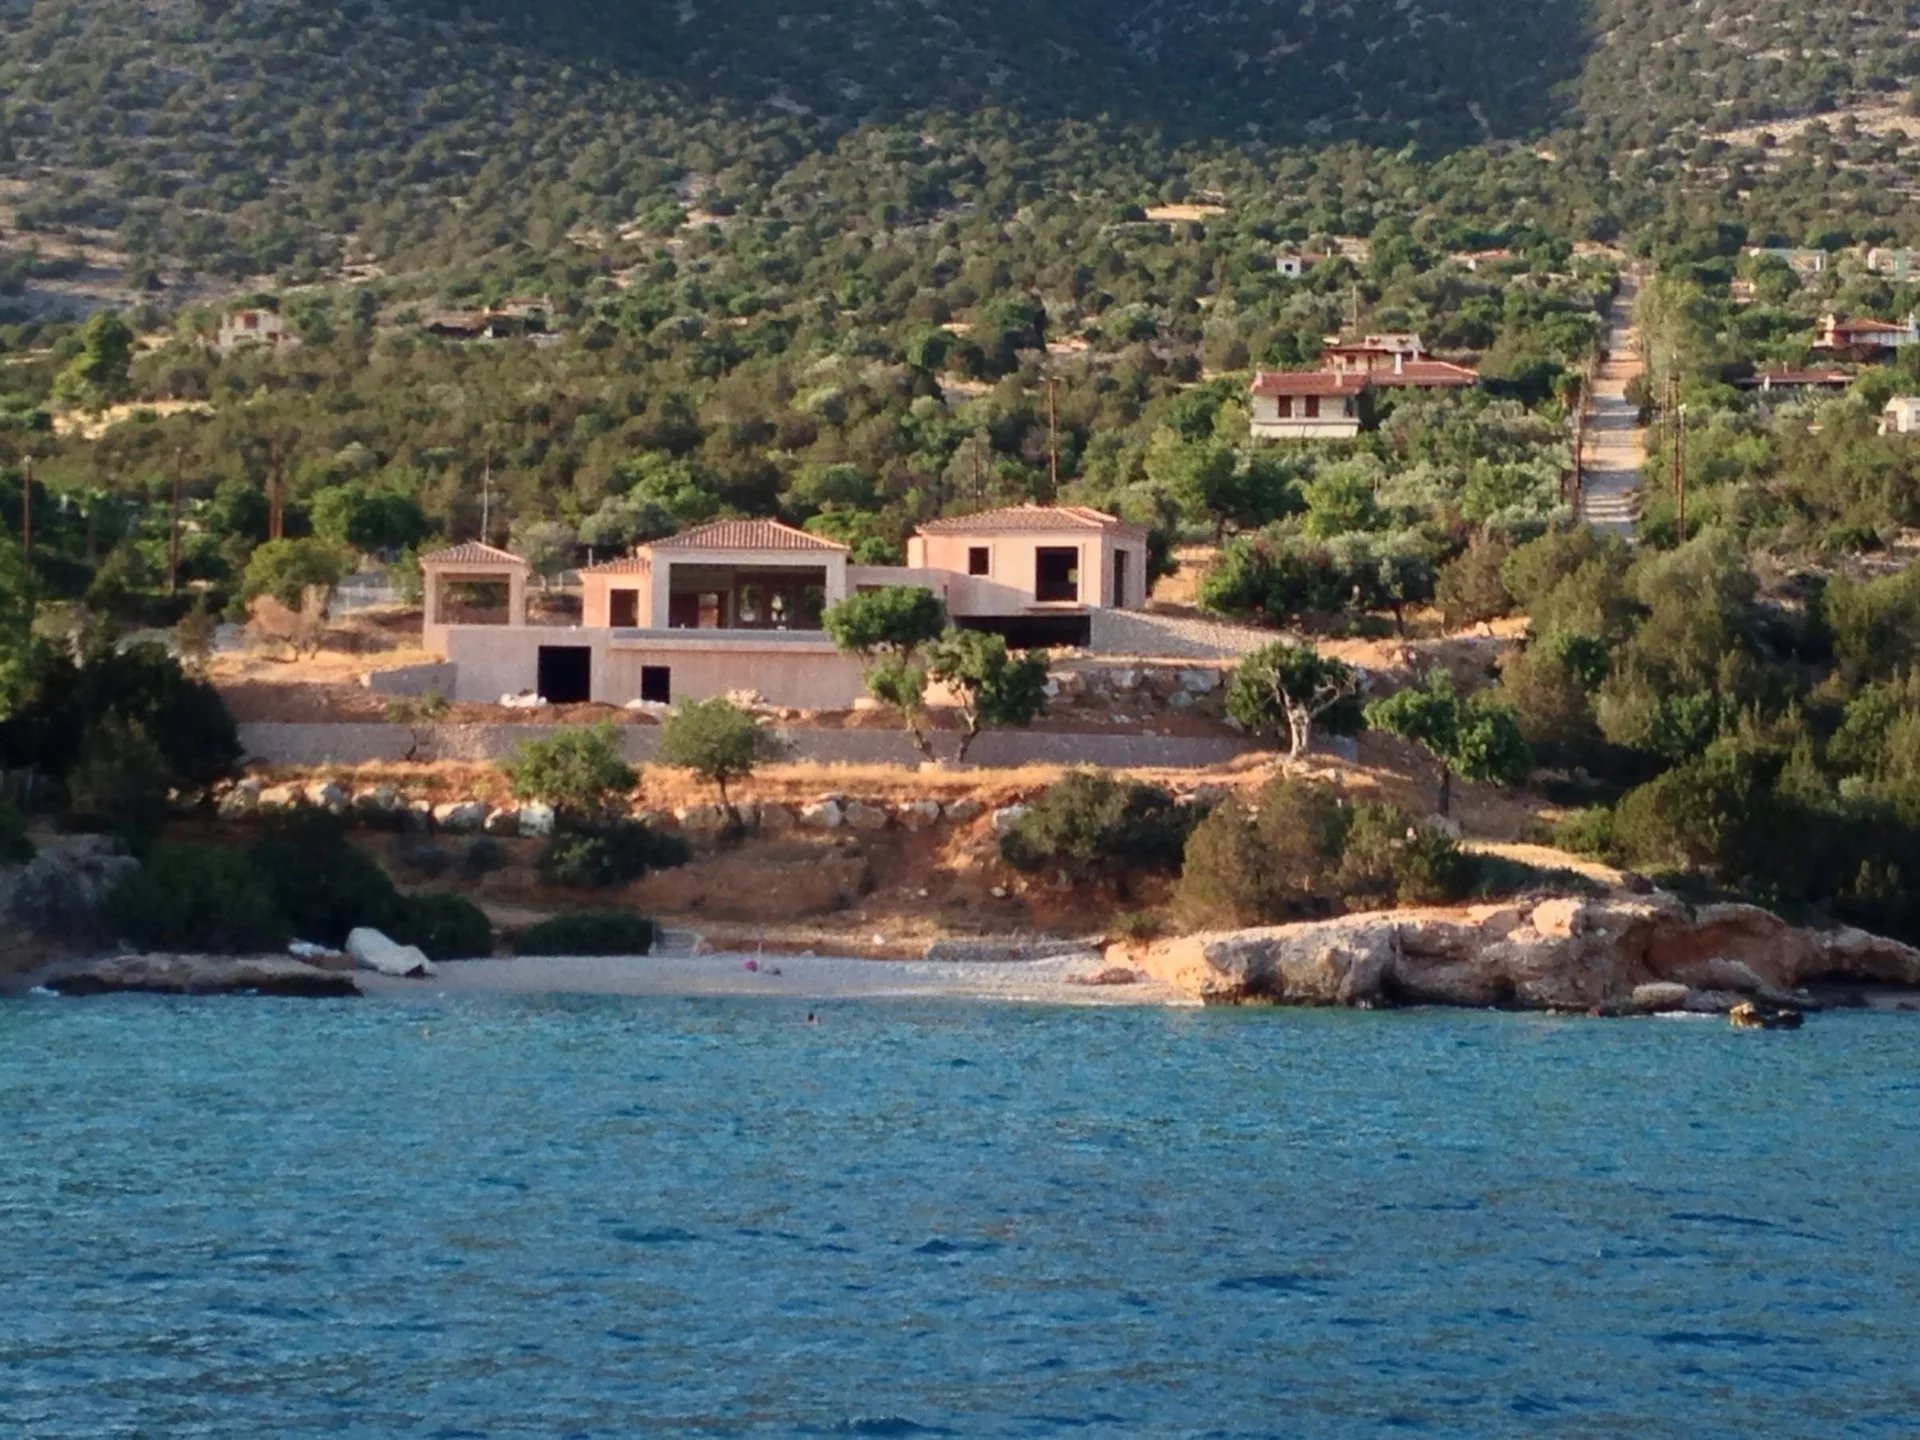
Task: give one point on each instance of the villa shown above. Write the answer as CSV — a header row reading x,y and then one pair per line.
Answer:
x,y
1331,403
1866,339
736,605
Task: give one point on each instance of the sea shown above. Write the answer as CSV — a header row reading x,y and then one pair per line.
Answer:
x,y
506,1216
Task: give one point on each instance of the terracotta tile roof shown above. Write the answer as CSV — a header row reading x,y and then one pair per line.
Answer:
x,y
1427,375
746,535
1306,382
472,552
1868,327
620,565
1017,518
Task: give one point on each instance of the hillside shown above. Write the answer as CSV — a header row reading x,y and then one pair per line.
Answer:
x,y
239,138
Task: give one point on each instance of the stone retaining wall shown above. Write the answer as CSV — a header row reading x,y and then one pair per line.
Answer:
x,y
313,744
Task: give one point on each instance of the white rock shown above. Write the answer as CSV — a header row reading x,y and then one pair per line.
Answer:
x,y
381,800
964,809
281,797
1199,682
701,817
862,816
330,796
999,892
823,815
460,817
372,950
504,821
536,820
1121,681
918,814
776,819
1008,816
525,700
237,804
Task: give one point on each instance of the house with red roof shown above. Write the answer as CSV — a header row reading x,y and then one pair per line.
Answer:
x,y
1866,339
1306,405
736,605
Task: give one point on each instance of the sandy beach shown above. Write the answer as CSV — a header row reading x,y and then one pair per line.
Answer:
x,y
788,977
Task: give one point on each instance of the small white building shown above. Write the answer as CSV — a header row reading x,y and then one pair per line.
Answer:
x,y
1902,416
242,328
1292,265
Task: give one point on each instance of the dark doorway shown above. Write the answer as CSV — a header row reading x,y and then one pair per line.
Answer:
x,y
979,560
566,674
1056,573
656,684
1119,579
623,609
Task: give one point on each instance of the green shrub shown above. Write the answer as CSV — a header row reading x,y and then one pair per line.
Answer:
x,y
15,847
610,855
1587,832
1277,861
581,773
323,885
424,860
1092,827
589,932
446,927
484,856
196,898
119,781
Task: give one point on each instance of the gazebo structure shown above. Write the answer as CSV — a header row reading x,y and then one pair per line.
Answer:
x,y
471,563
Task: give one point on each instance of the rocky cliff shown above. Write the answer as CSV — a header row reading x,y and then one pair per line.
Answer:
x,y
1608,955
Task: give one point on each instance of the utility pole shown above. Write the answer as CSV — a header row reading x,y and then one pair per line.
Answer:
x,y
26,508
1579,439
486,500
1053,440
276,518
173,535
978,489
1680,474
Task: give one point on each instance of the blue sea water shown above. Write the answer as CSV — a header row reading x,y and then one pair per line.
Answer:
x,y
497,1217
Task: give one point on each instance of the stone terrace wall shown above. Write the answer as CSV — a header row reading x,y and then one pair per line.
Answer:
x,y
361,743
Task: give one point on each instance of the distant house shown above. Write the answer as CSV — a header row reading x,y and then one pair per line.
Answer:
x,y
472,325
1293,266
1866,339
737,605
1803,262
1475,260
240,329
1396,361
1742,292
1306,404
1898,264
1901,416
1796,381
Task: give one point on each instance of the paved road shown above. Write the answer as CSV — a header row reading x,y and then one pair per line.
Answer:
x,y
1616,444
357,744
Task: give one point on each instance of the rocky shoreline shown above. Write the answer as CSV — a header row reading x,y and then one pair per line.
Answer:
x,y
1588,956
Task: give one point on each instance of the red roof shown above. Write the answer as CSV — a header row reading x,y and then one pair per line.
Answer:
x,y
1427,375
1028,517
472,552
1868,327
1306,382
746,535
620,565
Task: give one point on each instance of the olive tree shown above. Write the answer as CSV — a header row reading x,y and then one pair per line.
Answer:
x,y
1292,689
1474,735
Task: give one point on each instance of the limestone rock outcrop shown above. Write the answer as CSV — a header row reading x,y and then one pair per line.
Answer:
x,y
199,975
1608,955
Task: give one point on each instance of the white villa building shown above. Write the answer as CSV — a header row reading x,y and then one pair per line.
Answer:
x,y
736,605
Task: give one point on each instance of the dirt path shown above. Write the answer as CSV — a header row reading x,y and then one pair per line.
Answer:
x,y
1616,445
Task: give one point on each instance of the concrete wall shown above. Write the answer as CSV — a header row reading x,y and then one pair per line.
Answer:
x,y
1010,586
412,680
801,671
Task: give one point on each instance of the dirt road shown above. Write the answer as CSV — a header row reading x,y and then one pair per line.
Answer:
x,y
1616,444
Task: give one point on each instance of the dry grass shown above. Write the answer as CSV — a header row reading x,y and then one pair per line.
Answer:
x,y
91,425
1185,212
